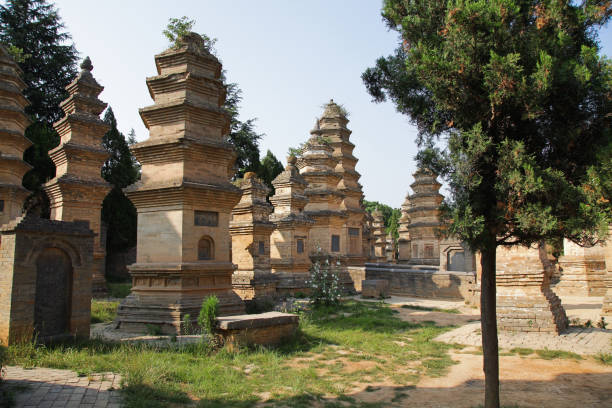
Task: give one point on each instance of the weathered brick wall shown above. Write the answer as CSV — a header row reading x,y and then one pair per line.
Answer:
x,y
23,242
525,301
429,283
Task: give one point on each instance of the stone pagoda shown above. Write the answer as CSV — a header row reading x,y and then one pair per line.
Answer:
x,y
582,270
332,127
324,200
380,235
424,218
13,122
403,243
368,240
289,241
250,229
184,198
390,248
77,191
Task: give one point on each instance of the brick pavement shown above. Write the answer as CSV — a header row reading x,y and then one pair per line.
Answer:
x,y
578,340
51,388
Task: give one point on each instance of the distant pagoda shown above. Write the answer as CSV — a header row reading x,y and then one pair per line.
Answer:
x,y
184,198
403,243
332,127
250,229
380,236
13,122
289,241
424,218
78,189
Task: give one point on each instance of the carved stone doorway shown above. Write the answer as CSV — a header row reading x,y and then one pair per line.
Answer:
x,y
53,293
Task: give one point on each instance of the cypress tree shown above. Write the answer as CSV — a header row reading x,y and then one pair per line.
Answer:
x,y
512,102
120,170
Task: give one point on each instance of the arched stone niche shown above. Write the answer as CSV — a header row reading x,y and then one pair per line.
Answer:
x,y
206,249
45,279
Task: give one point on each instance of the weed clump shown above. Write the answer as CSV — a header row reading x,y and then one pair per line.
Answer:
x,y
208,315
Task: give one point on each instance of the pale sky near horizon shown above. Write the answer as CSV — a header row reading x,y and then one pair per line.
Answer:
x,y
288,58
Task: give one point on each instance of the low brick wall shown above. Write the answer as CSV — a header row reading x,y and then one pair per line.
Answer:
x,y
423,281
375,288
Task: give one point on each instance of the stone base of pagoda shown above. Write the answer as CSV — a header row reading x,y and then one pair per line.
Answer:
x,y
606,309
525,303
254,287
162,294
581,277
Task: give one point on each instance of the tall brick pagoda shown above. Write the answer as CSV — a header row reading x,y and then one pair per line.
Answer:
x,y
325,202
332,126
13,122
77,191
424,218
184,198
403,243
289,241
250,229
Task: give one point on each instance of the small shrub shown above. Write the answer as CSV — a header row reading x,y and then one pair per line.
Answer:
x,y
208,314
324,283
300,295
603,358
3,358
602,323
119,290
187,328
154,330
588,324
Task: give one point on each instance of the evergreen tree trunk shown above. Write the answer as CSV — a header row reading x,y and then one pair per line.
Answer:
x,y
488,321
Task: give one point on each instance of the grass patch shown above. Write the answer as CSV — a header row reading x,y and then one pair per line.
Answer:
x,y
603,358
103,311
554,354
522,351
430,309
119,290
318,361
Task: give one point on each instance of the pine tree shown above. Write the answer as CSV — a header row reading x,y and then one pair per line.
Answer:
x,y
120,170
521,98
34,29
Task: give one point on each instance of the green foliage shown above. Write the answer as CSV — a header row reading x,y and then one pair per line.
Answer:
x,y
187,327
298,151
602,324
518,90
208,314
554,354
604,358
522,351
177,28
103,311
431,309
269,168
120,170
118,290
391,215
324,283
154,330
35,28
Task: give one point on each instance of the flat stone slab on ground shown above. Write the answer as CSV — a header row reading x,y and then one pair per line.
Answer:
x,y
48,387
252,321
575,339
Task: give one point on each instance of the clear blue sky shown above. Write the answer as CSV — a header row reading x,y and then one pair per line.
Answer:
x,y
288,57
